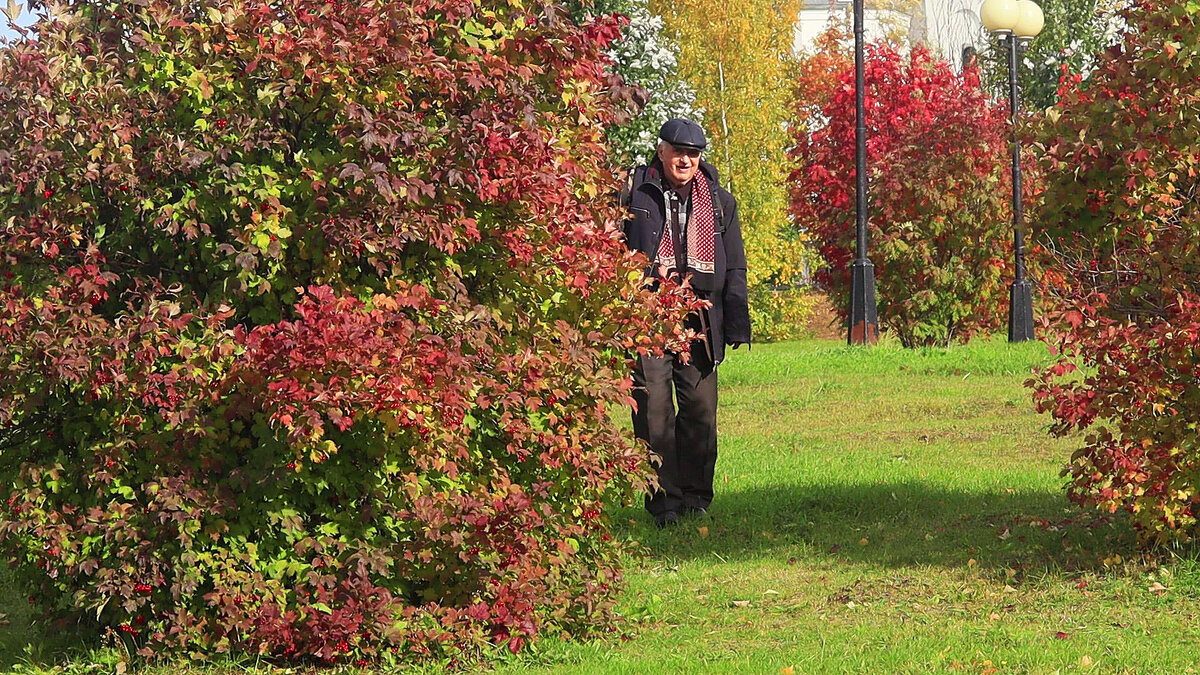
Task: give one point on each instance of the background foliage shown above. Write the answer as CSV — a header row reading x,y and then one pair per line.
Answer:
x,y
310,320
1075,32
1121,220
940,189
648,63
749,43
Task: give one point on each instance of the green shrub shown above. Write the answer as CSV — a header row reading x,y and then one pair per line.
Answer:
x,y
781,314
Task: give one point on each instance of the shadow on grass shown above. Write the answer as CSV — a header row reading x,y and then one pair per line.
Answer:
x,y
891,525
27,639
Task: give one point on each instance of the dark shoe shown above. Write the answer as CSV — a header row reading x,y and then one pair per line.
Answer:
x,y
666,519
694,511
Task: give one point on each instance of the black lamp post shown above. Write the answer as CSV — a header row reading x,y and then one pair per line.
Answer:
x,y
864,317
1015,23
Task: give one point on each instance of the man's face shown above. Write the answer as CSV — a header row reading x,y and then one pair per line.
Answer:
x,y
680,164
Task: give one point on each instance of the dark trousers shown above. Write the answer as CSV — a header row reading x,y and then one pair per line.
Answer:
x,y
685,440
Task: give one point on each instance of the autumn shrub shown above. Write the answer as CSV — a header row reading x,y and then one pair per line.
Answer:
x,y
939,210
1120,230
311,316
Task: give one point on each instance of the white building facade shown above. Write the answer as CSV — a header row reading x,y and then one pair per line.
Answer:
x,y
945,26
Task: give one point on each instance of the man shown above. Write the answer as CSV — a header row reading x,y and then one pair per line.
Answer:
x,y
688,226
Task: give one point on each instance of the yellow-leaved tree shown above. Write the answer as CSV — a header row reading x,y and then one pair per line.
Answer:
x,y
736,56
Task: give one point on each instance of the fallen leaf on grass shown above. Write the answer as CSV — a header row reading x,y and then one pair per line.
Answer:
x,y
1009,589
1061,635
1005,534
790,670
1158,588
995,616
835,548
770,592
703,530
863,542
741,603
971,563
1085,661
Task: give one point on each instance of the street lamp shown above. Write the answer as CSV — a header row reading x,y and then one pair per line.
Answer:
x,y
864,317
1015,23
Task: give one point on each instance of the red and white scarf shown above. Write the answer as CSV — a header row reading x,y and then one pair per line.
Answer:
x,y
700,237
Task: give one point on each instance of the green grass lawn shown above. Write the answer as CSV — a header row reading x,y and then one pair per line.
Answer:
x,y
878,510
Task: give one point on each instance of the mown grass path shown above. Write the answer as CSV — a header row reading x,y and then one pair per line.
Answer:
x,y
878,511
885,511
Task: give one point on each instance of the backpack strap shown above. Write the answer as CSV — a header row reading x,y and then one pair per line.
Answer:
x,y
633,178
718,213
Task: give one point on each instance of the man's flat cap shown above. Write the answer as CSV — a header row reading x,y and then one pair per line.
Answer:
x,y
683,134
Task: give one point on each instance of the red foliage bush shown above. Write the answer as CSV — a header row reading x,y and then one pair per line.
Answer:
x,y
940,219
1121,221
311,316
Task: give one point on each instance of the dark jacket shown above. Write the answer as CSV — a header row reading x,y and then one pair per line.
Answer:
x,y
728,319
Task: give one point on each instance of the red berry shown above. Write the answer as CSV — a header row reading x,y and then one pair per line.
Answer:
x,y
47,193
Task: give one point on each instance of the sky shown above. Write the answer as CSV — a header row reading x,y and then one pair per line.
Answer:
x,y
25,19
